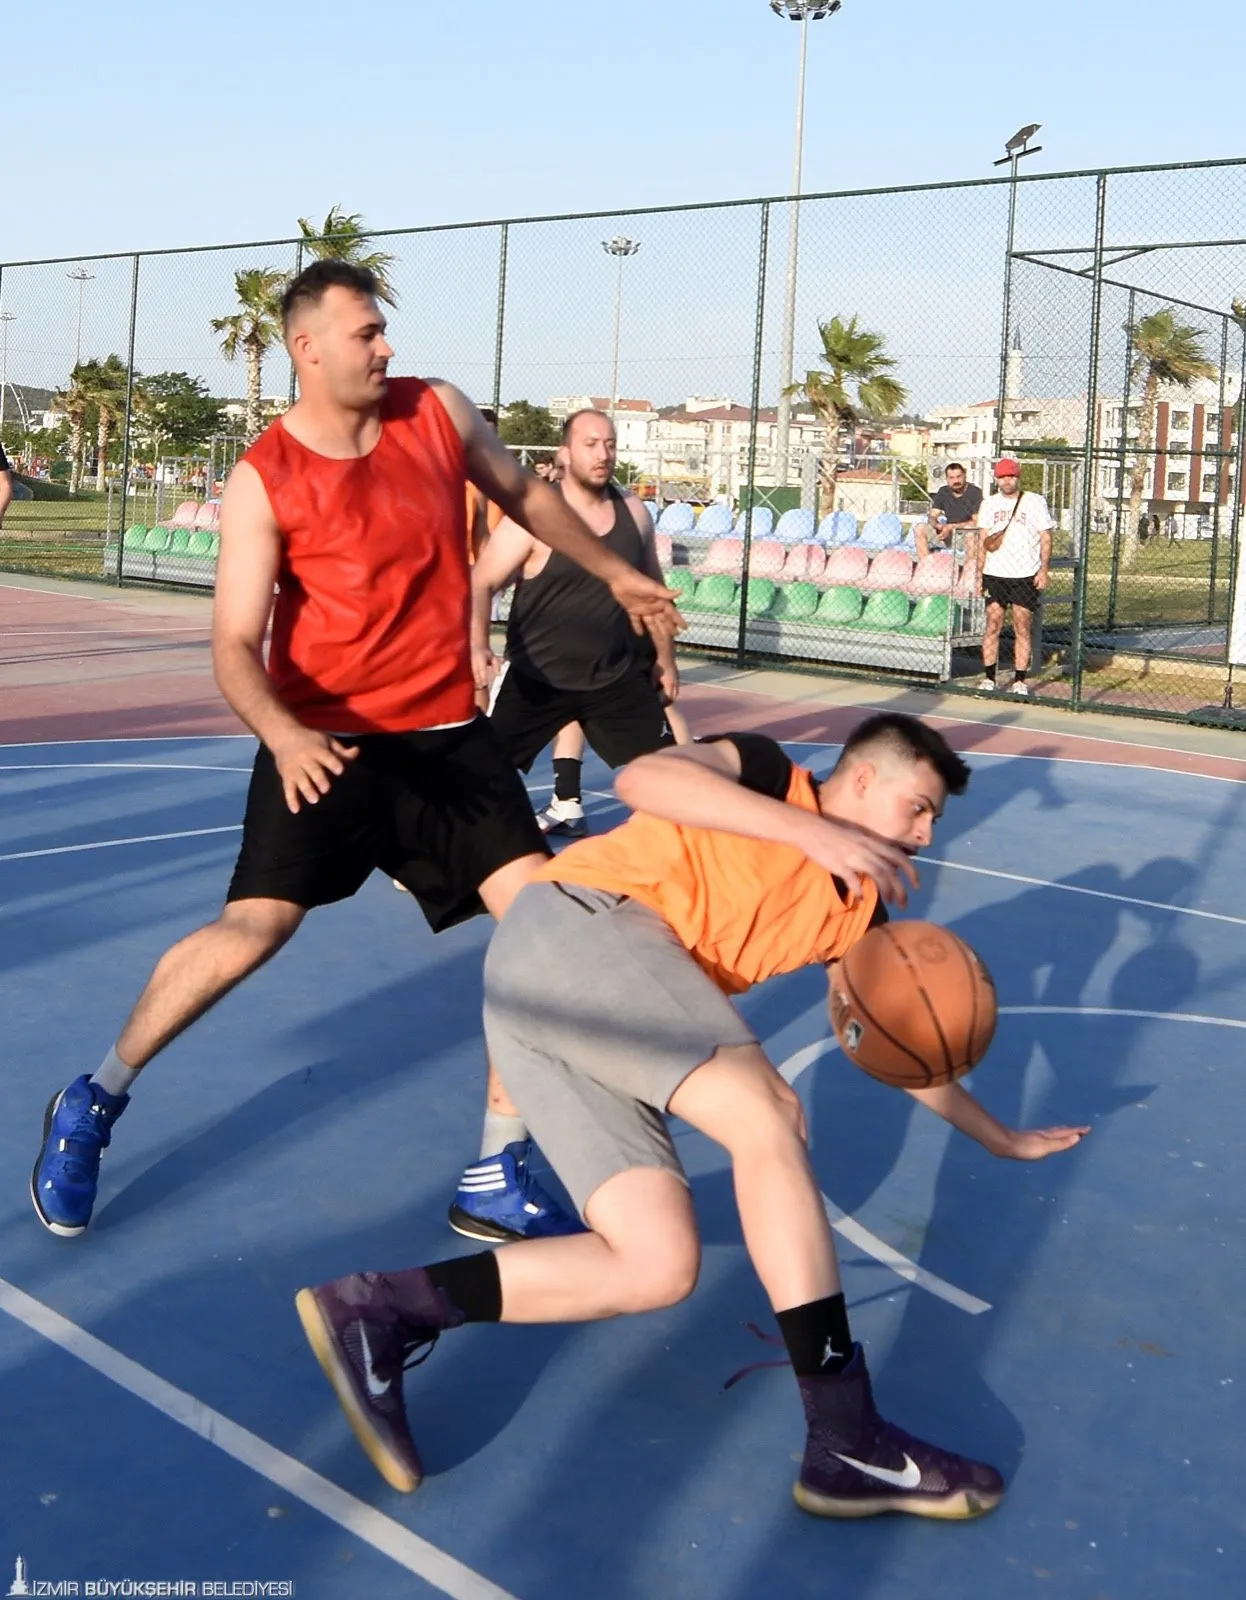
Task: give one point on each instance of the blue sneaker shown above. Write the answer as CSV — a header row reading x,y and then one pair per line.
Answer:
x,y
76,1129
500,1201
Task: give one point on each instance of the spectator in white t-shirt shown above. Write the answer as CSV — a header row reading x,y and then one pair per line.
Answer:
x,y
1015,547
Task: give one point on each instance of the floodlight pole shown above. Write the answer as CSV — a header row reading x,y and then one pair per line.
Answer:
x,y
81,277
804,12
1016,149
620,248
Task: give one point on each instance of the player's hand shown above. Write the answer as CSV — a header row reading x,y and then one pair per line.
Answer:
x,y
1032,1144
485,668
1040,580
852,854
666,682
307,763
650,604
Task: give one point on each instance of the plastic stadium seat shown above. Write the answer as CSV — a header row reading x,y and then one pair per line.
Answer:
x,y
184,516
797,526
714,522
804,561
930,614
766,559
724,556
678,517
934,574
208,516
882,532
847,565
158,539
761,593
135,537
681,579
199,544
216,544
841,604
179,544
890,569
839,528
662,544
715,593
652,507
886,609
966,588
796,602
762,520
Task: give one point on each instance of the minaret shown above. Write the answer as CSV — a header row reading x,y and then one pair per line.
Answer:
x,y
1012,367
19,1584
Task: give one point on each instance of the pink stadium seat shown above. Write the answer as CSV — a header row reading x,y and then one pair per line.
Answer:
x,y
846,567
208,518
934,574
966,585
890,569
184,516
805,563
766,559
662,544
724,556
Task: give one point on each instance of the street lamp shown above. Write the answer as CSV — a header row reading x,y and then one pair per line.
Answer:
x,y
5,318
804,12
1015,150
81,277
622,248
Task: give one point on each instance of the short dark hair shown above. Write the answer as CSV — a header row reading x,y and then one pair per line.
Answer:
x,y
310,286
489,414
954,466
586,411
910,737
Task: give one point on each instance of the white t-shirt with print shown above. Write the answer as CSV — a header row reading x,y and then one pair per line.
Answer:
x,y
1021,554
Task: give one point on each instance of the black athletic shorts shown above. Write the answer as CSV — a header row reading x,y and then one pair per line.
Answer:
x,y
1023,592
440,811
621,721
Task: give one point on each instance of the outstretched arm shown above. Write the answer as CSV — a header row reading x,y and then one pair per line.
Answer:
x,y
956,1105
507,550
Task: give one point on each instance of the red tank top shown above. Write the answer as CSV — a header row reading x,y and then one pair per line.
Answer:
x,y
370,626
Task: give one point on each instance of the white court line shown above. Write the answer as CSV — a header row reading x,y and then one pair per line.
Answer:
x,y
1065,761
417,1555
1121,1011
137,738
865,1241
105,633
135,766
109,844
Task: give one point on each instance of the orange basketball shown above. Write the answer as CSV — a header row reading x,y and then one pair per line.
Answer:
x,y
913,1005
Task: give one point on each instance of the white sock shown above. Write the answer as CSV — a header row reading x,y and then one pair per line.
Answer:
x,y
499,1131
114,1077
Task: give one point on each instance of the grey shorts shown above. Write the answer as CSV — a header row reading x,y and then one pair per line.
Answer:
x,y
595,1013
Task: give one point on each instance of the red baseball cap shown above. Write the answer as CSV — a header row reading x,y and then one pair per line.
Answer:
x,y
1007,468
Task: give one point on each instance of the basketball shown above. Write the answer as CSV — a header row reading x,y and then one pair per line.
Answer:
x,y
913,1005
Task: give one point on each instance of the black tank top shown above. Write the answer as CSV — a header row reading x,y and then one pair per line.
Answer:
x,y
566,628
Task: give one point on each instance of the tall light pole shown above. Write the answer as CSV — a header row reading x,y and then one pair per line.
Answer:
x,y
804,12
81,277
5,318
622,248
1015,149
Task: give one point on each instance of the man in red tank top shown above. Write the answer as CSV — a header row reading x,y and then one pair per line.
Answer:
x,y
372,754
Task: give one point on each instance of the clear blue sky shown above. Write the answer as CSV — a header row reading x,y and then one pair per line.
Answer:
x,y
152,124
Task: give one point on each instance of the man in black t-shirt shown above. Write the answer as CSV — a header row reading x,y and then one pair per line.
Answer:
x,y
6,483
954,506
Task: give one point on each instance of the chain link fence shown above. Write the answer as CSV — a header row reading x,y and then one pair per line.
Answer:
x,y
1091,324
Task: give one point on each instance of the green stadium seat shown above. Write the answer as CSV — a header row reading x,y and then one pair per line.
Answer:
x,y
199,543
179,544
761,593
930,615
682,579
839,605
215,548
888,608
715,593
135,537
796,602
157,539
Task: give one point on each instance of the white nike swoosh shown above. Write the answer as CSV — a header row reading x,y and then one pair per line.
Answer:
x,y
908,1479
375,1389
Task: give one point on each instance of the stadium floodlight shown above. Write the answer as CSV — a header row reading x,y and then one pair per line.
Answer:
x,y
81,277
620,248
804,12
1015,150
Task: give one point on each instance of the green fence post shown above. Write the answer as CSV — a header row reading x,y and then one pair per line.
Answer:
x,y
750,488
1088,452
501,330
1215,510
1114,579
1238,441
127,430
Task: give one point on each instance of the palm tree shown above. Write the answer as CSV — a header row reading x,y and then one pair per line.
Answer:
x,y
253,329
344,238
857,383
1165,351
109,380
74,404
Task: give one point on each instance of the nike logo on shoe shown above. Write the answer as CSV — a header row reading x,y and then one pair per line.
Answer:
x,y
375,1388
908,1479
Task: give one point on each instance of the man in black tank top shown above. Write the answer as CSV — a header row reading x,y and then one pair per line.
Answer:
x,y
571,655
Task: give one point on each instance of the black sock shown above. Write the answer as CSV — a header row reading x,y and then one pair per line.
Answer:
x,y
817,1336
567,778
472,1284
1020,674
989,671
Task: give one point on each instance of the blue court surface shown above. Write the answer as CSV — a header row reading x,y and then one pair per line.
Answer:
x,y
1079,1322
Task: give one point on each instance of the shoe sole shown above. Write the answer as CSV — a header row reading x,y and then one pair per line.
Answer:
x,y
484,1232
62,1230
962,1506
325,1348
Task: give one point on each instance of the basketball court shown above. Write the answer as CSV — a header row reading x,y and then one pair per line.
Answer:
x,y
1078,1322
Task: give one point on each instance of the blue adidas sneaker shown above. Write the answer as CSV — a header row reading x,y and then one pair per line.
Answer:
x,y
77,1129
499,1201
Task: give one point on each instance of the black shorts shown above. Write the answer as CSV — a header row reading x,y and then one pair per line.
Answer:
x,y
1023,592
440,811
621,721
